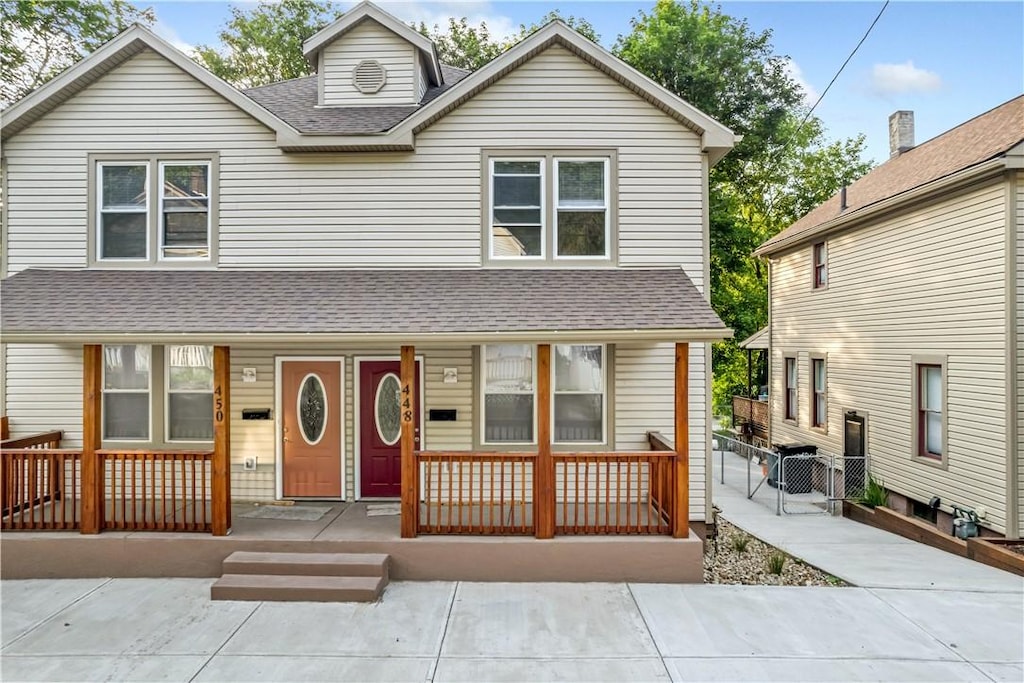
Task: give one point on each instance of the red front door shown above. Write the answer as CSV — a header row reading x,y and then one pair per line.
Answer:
x,y
380,450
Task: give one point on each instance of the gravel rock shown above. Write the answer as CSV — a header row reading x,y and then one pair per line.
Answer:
x,y
725,563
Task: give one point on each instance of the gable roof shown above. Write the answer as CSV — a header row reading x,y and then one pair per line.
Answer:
x,y
986,137
367,11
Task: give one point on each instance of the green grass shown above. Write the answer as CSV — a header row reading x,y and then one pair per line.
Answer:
x,y
776,563
874,494
739,543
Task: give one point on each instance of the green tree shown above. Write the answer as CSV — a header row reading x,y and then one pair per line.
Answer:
x,y
41,38
263,44
578,24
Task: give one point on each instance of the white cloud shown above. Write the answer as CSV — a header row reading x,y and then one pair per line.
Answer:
x,y
171,36
431,13
797,74
900,79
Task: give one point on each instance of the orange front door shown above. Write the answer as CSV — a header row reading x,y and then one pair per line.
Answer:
x,y
311,419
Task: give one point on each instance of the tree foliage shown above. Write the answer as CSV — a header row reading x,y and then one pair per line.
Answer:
x,y
41,38
263,44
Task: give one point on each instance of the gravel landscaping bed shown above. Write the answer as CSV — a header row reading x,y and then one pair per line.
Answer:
x,y
736,557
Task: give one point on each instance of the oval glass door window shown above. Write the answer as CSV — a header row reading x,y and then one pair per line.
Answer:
x,y
388,409
312,409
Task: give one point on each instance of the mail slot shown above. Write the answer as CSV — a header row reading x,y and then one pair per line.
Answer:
x,y
255,413
442,415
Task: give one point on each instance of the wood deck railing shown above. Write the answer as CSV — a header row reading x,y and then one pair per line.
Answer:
x,y
475,493
751,415
40,488
157,490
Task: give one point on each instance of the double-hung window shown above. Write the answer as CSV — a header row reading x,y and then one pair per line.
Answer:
x,y
189,393
126,392
791,389
929,412
154,210
549,207
579,387
508,393
820,258
819,401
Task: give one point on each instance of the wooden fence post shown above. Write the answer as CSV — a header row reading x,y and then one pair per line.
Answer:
x,y
410,472
220,486
93,483
681,499
544,468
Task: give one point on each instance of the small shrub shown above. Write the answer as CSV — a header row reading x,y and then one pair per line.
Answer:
x,y
776,562
874,494
739,543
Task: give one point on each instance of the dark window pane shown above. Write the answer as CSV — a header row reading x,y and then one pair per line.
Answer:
x,y
312,409
517,191
190,417
186,181
581,183
517,167
581,233
185,228
123,235
126,416
124,186
517,217
508,417
578,417
518,241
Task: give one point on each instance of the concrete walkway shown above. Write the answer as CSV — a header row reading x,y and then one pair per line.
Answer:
x,y
168,629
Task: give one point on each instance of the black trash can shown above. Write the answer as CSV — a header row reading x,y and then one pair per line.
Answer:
x,y
799,472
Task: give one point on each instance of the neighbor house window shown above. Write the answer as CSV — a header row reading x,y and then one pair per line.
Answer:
x,y
929,412
189,392
508,393
151,209
819,402
579,393
549,206
820,265
791,388
126,392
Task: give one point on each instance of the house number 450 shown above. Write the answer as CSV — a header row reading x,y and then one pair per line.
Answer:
x,y
218,405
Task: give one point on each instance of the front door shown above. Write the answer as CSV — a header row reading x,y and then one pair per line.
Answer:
x,y
380,427
311,420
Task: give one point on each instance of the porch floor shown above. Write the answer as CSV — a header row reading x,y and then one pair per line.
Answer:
x,y
346,527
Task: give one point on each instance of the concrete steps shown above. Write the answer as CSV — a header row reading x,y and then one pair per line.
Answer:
x,y
302,577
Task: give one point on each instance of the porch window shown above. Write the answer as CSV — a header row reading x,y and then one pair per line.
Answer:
x,y
126,392
819,402
791,389
820,252
579,393
929,412
508,393
189,393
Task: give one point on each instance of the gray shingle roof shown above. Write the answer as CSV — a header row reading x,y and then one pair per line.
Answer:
x,y
294,102
77,302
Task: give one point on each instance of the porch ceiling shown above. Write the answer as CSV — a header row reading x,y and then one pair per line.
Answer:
x,y
408,306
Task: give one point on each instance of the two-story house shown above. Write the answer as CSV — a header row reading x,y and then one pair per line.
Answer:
x,y
896,321
390,280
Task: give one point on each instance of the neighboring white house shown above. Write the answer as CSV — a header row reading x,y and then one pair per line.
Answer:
x,y
554,197
901,299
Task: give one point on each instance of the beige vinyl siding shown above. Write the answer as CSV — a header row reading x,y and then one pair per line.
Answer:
x,y
422,81
43,385
925,282
644,395
1019,184
363,210
369,40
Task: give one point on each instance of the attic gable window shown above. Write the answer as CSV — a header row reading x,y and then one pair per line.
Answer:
x,y
153,210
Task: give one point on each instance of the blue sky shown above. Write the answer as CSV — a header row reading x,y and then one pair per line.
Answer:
x,y
946,61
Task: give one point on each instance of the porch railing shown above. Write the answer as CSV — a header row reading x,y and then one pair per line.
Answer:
x,y
40,488
157,490
750,415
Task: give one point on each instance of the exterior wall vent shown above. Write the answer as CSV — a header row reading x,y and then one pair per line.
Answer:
x,y
369,76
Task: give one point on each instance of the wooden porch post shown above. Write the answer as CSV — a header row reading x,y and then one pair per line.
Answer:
x,y
220,492
410,473
681,511
544,468
92,431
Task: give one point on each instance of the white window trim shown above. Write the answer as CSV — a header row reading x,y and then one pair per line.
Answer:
x,y
483,400
148,392
603,392
100,166
160,233
541,161
607,210
168,391
795,403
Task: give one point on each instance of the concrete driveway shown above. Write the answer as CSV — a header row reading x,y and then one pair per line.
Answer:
x,y
168,629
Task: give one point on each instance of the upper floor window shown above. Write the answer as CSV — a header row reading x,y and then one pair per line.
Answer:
x,y
154,210
820,265
544,207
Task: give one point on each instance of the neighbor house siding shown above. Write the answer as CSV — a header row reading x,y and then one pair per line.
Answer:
x,y
369,40
365,210
928,282
421,79
1019,224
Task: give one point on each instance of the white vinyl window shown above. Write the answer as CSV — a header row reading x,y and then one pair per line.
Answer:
x,y
517,208
509,414
582,220
123,211
127,375
929,412
184,224
579,393
189,378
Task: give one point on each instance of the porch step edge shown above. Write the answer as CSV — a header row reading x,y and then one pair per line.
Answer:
x,y
283,588
307,564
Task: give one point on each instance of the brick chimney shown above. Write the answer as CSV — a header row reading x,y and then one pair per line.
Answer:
x,y
901,132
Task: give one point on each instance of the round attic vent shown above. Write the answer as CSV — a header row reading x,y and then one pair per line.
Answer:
x,y
369,76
